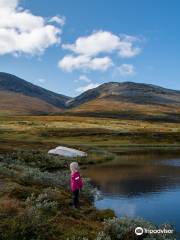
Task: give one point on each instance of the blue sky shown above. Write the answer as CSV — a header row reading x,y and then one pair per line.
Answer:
x,y
69,46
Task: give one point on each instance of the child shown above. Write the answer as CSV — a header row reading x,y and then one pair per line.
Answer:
x,y
76,183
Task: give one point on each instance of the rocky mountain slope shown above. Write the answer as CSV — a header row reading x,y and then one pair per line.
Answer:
x,y
18,96
128,100
120,100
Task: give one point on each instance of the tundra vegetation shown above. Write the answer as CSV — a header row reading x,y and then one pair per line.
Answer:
x,y
35,198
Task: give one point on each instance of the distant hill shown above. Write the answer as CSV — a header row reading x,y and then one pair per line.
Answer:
x,y
126,100
18,96
128,92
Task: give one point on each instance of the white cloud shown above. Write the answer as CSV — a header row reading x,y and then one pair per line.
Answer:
x,y
87,51
126,70
104,42
84,78
87,87
9,4
102,63
58,19
41,80
23,32
126,49
70,62
94,44
89,83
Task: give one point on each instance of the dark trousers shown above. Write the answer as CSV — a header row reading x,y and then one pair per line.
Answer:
x,y
75,195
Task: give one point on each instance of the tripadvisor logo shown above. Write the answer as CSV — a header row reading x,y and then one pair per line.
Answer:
x,y
139,231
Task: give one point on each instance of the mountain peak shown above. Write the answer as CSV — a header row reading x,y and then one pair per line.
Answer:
x,y
9,82
131,92
129,99
18,96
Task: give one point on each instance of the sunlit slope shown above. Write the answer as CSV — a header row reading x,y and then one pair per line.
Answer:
x,y
128,100
18,104
18,96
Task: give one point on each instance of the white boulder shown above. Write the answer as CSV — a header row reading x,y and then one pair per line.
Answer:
x,y
67,152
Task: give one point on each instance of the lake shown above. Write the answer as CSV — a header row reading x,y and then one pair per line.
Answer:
x,y
140,185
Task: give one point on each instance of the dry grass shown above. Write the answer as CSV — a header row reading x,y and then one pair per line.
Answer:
x,y
106,105
85,133
27,123
10,206
18,104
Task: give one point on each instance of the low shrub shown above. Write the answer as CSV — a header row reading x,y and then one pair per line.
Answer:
x,y
35,159
101,215
42,202
27,226
6,170
89,191
35,176
9,207
124,229
20,192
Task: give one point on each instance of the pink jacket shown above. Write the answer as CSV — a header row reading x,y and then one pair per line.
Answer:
x,y
76,181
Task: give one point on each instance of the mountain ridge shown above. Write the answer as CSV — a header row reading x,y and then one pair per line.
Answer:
x,y
10,82
115,99
125,92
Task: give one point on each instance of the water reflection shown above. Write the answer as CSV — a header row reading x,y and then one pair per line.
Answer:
x,y
134,175
140,185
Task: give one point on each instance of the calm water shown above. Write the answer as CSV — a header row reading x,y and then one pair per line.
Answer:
x,y
147,186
